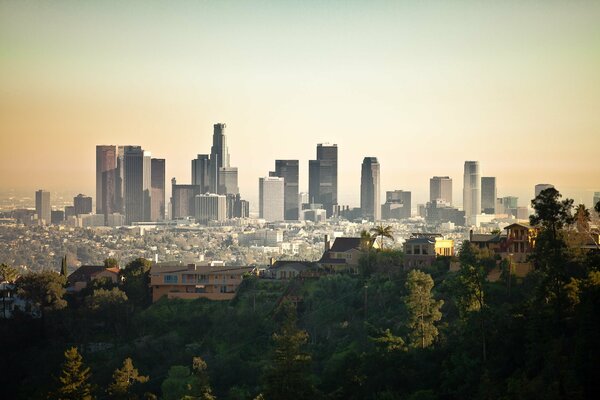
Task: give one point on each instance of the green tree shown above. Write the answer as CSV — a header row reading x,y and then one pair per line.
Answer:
x,y
200,371
366,241
424,310
287,377
582,218
181,383
74,378
136,282
109,307
551,213
8,275
43,289
124,379
63,267
111,263
382,232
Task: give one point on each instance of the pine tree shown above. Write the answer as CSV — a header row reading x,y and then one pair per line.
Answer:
x,y
123,379
63,267
287,378
423,309
74,378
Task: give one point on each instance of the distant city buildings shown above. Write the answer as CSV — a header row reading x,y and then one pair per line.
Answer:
x,y
106,180
488,195
541,186
471,189
82,204
323,178
370,189
596,198
157,191
289,171
210,207
183,201
271,192
201,172
42,207
397,205
440,188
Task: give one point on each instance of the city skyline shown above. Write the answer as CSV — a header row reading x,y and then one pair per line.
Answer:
x,y
503,84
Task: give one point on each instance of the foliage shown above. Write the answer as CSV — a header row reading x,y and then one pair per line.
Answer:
x,y
43,289
111,263
124,379
74,378
8,273
382,232
136,282
424,310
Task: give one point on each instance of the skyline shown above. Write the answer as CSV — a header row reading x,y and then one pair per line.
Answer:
x,y
422,87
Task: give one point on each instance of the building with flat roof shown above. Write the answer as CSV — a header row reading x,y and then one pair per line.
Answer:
x,y
323,177
42,207
370,202
289,171
488,194
397,205
471,189
440,188
210,207
271,191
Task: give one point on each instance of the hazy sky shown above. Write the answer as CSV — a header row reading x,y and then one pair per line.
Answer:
x,y
422,86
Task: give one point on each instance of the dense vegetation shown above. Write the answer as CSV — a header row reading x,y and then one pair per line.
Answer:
x,y
382,334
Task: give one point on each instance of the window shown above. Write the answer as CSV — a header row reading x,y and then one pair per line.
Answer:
x,y
170,279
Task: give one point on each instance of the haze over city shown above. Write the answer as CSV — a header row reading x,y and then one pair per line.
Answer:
x,y
420,86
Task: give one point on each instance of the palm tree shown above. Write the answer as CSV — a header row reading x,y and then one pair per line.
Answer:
x,y
382,232
366,241
582,218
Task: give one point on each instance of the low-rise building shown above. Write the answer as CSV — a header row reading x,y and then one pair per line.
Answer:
x,y
196,281
83,275
343,255
421,249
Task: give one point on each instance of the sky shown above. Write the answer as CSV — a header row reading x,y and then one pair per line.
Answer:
x,y
421,85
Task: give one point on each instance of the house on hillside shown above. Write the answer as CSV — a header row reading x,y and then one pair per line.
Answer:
x,y
285,270
83,275
343,255
421,249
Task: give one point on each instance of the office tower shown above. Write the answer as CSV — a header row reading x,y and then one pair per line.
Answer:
x,y
157,191
510,201
440,188
322,177
42,207
596,198
236,207
219,156
488,195
201,172
289,171
437,212
136,184
471,190
106,167
70,212
369,189
183,204
210,207
542,186
271,198
228,180
397,205
57,216
120,181
303,198
82,204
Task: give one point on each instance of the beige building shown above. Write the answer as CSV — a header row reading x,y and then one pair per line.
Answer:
x,y
196,281
421,250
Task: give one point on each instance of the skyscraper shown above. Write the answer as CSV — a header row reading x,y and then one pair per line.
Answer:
x,y
135,183
289,171
542,186
106,168
397,205
271,198
369,189
201,172
82,204
42,207
488,195
440,188
471,190
322,177
228,181
219,156
183,204
210,207
157,192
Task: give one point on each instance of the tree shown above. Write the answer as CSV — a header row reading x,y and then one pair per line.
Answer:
x,y
424,310
111,263
199,368
287,375
108,306
74,378
382,232
366,241
8,275
123,380
183,384
43,289
136,282
582,218
551,213
63,267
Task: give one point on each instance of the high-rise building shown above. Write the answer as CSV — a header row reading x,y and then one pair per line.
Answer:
x,y
236,207
106,182
397,205
322,177
541,186
157,192
42,207
201,172
471,190
82,204
369,189
210,207
219,156
289,171
596,198
228,181
137,184
440,188
120,181
488,194
183,204
271,198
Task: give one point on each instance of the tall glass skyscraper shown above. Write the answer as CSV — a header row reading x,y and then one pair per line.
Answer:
x,y
471,190
370,204
289,171
322,177
488,195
